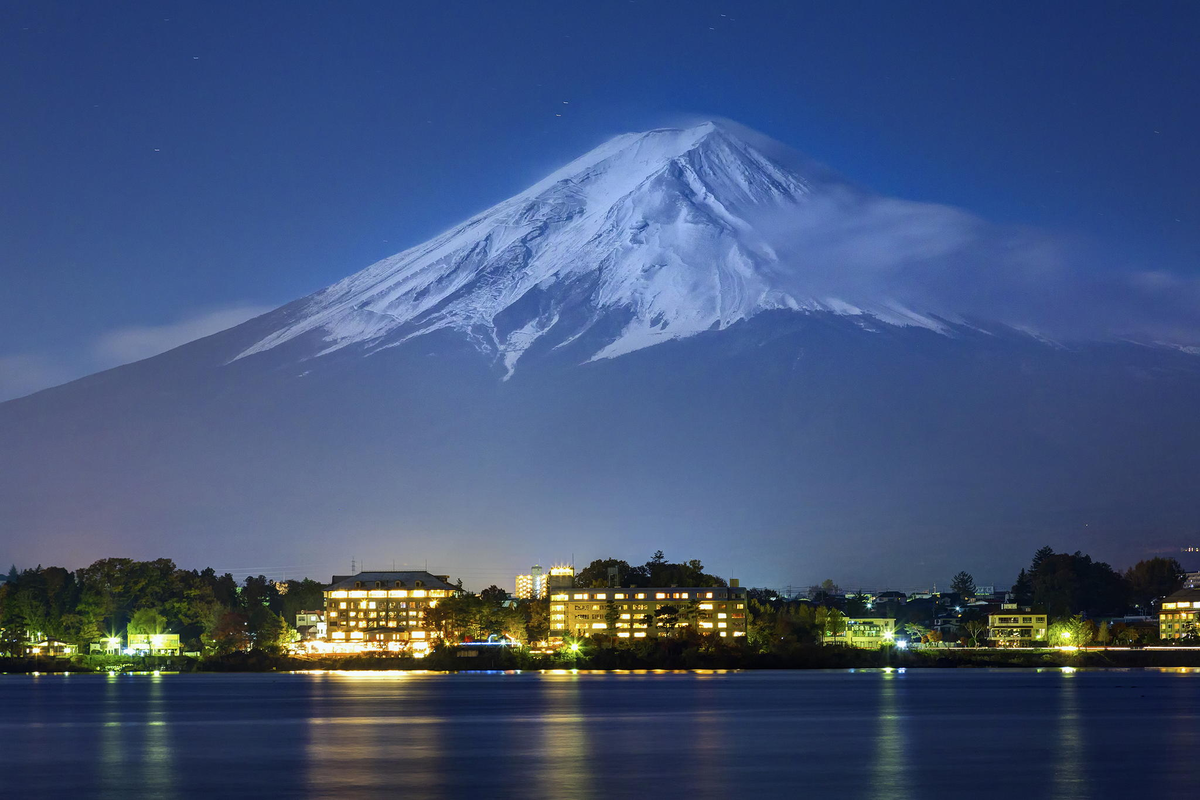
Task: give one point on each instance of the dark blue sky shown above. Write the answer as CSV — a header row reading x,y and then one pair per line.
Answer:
x,y
167,162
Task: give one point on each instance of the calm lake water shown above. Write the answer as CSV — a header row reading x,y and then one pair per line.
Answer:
x,y
832,734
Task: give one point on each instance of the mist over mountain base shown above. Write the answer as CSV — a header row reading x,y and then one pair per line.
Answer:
x,y
786,447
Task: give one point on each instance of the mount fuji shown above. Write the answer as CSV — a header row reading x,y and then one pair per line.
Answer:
x,y
671,342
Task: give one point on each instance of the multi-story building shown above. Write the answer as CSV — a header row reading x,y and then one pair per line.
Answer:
x,y
1180,615
384,610
639,613
1017,626
1191,580
561,577
537,585
870,633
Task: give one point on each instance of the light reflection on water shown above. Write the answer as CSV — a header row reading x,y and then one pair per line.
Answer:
x,y
1070,765
890,780
865,734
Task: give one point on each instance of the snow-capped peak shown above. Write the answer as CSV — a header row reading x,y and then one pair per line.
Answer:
x,y
652,229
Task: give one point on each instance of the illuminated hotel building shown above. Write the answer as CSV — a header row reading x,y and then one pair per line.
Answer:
x,y
641,613
384,610
1180,615
537,585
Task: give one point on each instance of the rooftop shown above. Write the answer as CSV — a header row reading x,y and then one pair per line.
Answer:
x,y
406,579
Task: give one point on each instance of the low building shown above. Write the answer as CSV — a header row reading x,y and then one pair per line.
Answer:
x,y
869,633
1179,616
639,613
152,644
108,646
50,647
310,625
384,610
1017,626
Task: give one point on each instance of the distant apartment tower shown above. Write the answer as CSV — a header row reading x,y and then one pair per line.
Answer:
x,y
537,585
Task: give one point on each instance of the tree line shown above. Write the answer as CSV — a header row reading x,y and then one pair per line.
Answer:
x,y
213,614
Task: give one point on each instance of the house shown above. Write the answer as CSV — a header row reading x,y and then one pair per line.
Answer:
x,y
869,633
311,625
1017,626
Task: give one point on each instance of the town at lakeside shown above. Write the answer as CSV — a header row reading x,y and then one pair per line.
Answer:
x,y
119,615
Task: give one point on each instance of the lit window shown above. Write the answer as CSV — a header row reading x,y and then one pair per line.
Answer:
x,y
626,616
639,634
418,593
722,615
356,634
721,625
739,633
600,596
338,635
640,596
705,624
580,596
624,635
660,595
371,604
708,595
358,594
558,597
723,633
398,593
437,592
417,634
339,593
619,596
598,626
342,605
378,593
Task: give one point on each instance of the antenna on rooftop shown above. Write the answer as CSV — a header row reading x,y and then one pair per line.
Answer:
x,y
353,569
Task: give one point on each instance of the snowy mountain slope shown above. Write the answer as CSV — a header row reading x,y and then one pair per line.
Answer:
x,y
657,228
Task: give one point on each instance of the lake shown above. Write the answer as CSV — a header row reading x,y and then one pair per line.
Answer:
x,y
831,734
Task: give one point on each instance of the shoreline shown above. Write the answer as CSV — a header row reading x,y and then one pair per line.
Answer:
x,y
620,660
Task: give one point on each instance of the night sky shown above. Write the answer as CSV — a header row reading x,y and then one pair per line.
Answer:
x,y
174,168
